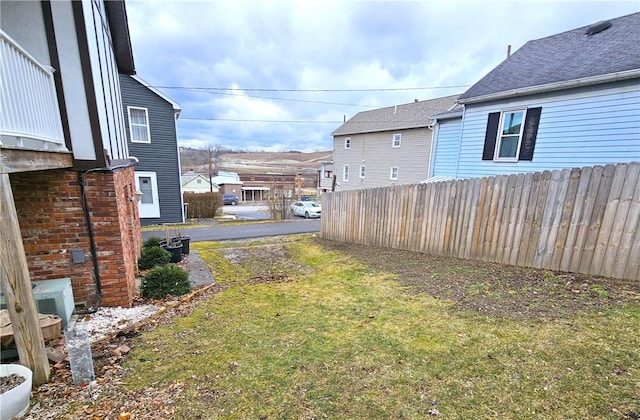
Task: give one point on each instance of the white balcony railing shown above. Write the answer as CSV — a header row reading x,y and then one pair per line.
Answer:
x,y
29,114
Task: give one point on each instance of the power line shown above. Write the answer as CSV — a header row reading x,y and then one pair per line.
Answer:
x,y
311,90
262,121
282,99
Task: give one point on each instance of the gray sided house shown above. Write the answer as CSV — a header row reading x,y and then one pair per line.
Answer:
x,y
567,100
151,119
386,146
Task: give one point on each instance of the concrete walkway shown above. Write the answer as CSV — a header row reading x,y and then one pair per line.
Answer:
x,y
199,273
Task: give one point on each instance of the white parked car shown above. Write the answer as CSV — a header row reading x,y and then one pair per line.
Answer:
x,y
306,209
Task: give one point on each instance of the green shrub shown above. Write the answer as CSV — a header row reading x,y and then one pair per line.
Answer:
x,y
152,257
165,280
151,242
202,205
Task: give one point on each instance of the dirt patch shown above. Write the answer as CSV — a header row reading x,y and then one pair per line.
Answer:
x,y
493,289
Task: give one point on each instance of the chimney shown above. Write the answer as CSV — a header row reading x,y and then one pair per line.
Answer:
x,y
415,100
344,118
508,51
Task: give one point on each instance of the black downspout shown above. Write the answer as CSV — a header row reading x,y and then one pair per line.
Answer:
x,y
92,245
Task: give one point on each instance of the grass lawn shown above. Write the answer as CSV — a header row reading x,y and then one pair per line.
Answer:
x,y
302,332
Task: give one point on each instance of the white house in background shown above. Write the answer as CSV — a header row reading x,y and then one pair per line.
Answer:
x,y
325,177
197,183
567,100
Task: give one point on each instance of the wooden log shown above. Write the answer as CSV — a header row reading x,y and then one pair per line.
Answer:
x,y
16,286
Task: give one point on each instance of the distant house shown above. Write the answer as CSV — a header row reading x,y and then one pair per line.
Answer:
x,y
386,146
67,173
151,119
229,182
197,183
567,100
325,177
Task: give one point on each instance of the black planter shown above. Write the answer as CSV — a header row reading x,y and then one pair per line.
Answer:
x,y
176,251
186,240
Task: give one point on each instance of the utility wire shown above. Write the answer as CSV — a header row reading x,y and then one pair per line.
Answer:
x,y
281,99
310,90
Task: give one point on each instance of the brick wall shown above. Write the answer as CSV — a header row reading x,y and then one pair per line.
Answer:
x,y
52,221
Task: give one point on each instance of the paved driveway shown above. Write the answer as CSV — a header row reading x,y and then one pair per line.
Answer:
x,y
217,232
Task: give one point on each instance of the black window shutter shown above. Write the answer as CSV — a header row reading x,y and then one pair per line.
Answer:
x,y
490,136
530,133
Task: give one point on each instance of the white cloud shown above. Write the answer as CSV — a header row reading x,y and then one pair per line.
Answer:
x,y
328,45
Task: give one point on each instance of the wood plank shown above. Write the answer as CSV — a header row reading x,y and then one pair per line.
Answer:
x,y
571,244
551,225
450,203
16,287
484,218
491,218
475,186
431,218
631,239
608,219
541,201
527,228
21,160
565,218
599,205
497,221
481,194
469,209
509,212
523,201
615,255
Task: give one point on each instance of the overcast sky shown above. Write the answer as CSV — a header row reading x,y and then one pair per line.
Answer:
x,y
282,75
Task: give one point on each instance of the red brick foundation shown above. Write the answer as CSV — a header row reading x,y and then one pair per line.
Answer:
x,y
51,216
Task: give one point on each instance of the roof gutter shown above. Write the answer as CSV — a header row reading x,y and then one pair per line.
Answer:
x,y
605,78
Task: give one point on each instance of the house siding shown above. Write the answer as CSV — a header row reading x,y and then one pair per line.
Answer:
x,y
374,150
106,84
159,156
447,148
581,127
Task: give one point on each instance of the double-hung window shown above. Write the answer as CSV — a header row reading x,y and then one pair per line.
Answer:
x,y
345,173
511,135
395,142
139,125
363,171
393,173
347,143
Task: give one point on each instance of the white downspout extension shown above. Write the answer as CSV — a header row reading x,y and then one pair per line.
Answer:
x,y
434,146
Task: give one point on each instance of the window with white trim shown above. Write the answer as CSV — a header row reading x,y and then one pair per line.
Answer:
x,y
511,135
139,125
393,173
363,171
396,140
347,143
345,173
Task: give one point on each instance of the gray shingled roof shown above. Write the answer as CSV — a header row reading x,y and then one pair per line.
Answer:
x,y
412,115
565,57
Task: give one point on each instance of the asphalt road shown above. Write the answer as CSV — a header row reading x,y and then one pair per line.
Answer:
x,y
243,231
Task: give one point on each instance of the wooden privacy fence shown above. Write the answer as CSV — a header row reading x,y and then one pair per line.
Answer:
x,y
582,220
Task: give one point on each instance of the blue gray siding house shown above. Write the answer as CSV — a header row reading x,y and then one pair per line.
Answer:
x,y
150,119
567,100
